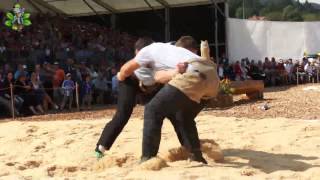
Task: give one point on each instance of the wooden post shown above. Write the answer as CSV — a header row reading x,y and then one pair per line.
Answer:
x,y
317,75
12,101
77,96
297,76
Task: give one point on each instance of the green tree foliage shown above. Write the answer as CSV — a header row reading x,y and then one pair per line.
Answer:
x,y
275,10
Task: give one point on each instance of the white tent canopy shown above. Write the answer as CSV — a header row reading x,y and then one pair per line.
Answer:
x,y
87,7
93,7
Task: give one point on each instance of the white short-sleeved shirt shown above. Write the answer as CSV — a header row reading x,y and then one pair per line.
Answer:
x,y
160,56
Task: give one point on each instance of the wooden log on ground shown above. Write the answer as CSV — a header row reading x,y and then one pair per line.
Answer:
x,y
252,88
221,101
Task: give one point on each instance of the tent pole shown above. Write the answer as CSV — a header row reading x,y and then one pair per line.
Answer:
x,y
35,6
113,20
167,25
50,7
216,33
226,12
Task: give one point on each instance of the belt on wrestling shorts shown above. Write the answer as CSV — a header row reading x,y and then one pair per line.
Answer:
x,y
150,89
147,89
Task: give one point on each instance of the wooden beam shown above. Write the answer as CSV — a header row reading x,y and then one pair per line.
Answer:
x,y
164,3
34,6
50,7
106,6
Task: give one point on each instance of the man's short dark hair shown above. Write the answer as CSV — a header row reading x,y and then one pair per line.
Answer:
x,y
143,42
187,42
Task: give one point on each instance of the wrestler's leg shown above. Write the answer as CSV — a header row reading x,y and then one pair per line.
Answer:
x,y
128,90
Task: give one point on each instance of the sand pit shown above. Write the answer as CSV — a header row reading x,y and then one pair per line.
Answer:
x,y
260,149
270,147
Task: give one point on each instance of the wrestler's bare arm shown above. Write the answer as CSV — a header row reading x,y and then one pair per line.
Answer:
x,y
165,76
127,69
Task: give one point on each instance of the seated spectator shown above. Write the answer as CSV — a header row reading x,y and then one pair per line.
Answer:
x,y
281,72
40,93
273,71
20,70
68,87
224,60
6,93
220,71
229,72
5,103
288,66
45,75
23,90
300,72
3,52
58,78
72,70
244,69
237,71
260,66
101,88
86,92
311,71
84,70
255,73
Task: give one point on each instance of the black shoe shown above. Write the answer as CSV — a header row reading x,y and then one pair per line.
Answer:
x,y
198,158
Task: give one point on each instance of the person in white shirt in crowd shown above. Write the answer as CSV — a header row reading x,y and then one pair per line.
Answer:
x,y
288,66
221,71
100,87
243,69
310,69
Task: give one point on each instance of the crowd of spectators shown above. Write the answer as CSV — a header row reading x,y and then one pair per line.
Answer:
x,y
45,61
272,71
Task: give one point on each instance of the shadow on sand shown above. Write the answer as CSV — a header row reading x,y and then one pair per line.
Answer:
x,y
268,162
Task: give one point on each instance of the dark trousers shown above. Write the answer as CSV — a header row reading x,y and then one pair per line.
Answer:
x,y
169,100
127,94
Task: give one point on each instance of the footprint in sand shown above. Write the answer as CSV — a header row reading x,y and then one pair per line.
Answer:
x,y
32,164
70,169
29,165
32,129
54,170
39,147
68,142
51,171
21,168
11,163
